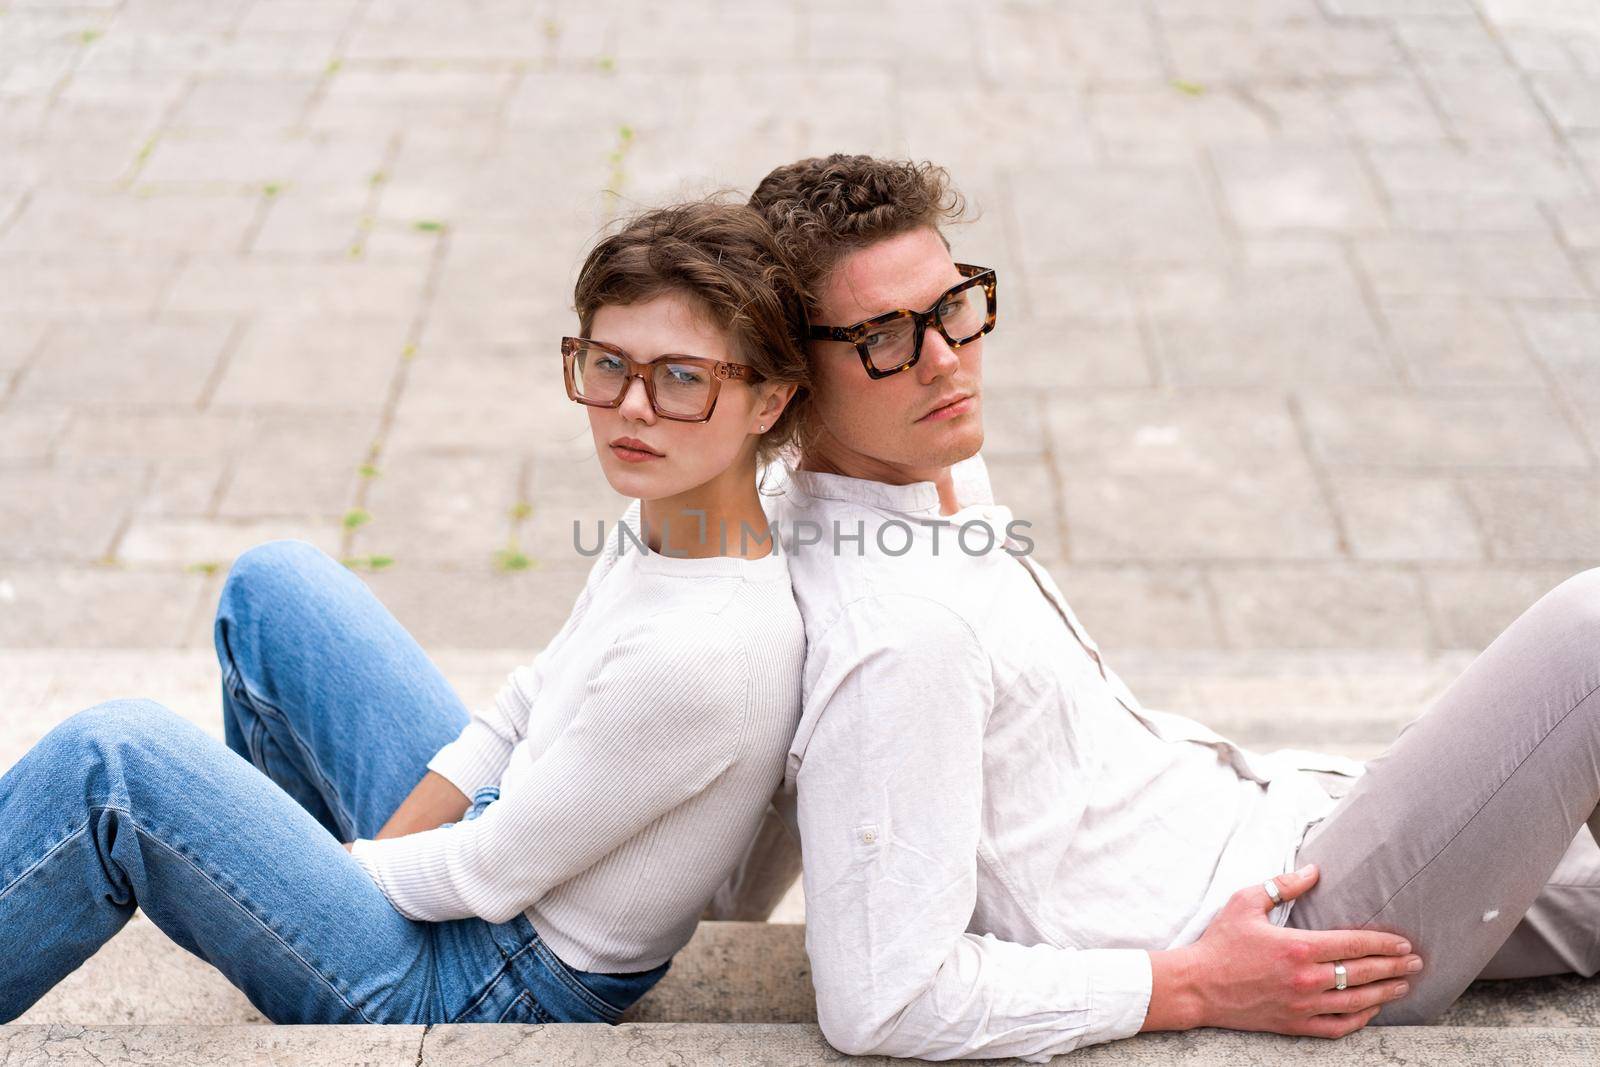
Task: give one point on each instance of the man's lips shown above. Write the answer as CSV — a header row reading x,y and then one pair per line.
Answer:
x,y
949,408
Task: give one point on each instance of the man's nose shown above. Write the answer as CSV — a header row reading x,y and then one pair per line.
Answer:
x,y
938,359
636,402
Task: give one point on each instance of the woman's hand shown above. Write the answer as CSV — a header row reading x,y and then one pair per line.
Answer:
x,y
347,845
1247,974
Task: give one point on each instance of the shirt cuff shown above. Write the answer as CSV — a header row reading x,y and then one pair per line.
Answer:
x,y
476,758
1119,993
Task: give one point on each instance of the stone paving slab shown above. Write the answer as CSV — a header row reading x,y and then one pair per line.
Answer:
x,y
1355,701
728,973
1297,367
1352,704
1365,229
750,1045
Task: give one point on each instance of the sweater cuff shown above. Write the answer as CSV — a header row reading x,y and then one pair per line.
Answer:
x,y
476,758
1119,993
358,852
413,873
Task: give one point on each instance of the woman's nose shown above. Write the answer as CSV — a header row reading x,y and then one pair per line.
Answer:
x,y
636,402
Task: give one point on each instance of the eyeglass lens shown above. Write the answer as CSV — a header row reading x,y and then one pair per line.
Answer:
x,y
680,388
962,315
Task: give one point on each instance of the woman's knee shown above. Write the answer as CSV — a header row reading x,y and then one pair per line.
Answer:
x,y
264,580
272,564
118,723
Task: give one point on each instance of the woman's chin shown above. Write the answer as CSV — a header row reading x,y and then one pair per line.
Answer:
x,y
626,479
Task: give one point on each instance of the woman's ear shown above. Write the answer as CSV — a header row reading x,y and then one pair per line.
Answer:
x,y
776,398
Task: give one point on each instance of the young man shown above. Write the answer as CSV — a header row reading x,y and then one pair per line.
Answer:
x,y
1005,853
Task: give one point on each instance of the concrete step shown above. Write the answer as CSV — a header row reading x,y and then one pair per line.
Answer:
x,y
751,1045
741,973
729,972
1348,702
741,992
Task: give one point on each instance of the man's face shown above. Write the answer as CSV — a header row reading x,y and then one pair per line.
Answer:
x,y
912,425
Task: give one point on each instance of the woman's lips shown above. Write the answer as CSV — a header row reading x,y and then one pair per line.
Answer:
x,y
949,411
633,455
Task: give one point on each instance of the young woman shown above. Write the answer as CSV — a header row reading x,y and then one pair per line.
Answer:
x,y
539,859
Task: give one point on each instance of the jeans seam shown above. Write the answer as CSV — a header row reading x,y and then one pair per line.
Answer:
x,y
236,902
503,970
1418,873
518,999
242,692
36,864
553,963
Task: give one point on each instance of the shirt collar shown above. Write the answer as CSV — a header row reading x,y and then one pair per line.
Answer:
x,y
970,478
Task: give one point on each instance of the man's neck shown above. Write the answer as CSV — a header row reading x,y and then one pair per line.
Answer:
x,y
946,483
825,461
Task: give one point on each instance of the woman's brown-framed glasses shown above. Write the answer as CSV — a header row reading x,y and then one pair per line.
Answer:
x,y
892,342
679,387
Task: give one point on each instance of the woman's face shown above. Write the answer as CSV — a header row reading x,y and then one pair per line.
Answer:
x,y
649,457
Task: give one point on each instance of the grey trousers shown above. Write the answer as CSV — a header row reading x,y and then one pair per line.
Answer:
x,y
1468,834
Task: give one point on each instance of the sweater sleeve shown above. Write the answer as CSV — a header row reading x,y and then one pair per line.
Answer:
x,y
661,718
757,885
890,811
479,754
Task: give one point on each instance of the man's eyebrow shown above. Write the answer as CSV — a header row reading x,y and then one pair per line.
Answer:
x,y
855,294
919,305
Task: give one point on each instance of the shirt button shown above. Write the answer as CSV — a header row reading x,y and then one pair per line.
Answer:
x,y
868,837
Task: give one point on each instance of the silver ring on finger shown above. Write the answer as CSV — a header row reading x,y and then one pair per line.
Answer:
x,y
1271,886
1340,976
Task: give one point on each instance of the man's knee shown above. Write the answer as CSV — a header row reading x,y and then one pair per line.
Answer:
x,y
1586,583
1578,597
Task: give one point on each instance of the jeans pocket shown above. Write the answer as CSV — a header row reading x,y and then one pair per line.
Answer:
x,y
594,995
525,1009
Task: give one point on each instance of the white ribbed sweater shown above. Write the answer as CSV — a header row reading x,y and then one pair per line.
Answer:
x,y
635,758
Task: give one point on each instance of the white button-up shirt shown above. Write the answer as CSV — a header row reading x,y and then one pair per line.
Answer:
x,y
994,830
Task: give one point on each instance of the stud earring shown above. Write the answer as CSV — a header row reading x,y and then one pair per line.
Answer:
x,y
762,428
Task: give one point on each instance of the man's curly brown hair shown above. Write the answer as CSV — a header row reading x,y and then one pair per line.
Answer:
x,y
825,207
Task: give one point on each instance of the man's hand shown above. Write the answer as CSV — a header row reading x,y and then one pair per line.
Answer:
x,y
1247,974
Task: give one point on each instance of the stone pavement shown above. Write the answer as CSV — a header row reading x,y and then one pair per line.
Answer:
x,y
1299,348
751,1045
1351,703
1297,372
143,991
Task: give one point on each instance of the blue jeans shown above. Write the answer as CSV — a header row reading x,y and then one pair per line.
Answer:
x,y
331,712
